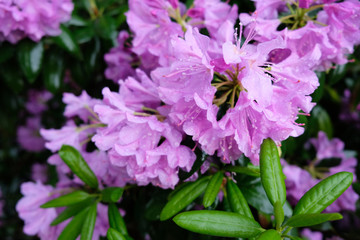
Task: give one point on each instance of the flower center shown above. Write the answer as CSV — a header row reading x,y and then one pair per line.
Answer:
x,y
228,88
298,17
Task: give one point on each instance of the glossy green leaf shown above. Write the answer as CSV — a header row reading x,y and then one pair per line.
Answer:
x,y
236,199
292,237
53,71
77,164
67,42
279,214
323,194
255,195
67,200
72,210
30,56
115,219
306,220
112,194
89,223
105,27
213,189
183,198
271,173
112,234
177,189
218,223
337,74
251,171
73,229
270,234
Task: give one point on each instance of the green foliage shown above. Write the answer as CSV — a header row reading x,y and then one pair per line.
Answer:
x,y
67,200
218,223
323,194
213,189
77,164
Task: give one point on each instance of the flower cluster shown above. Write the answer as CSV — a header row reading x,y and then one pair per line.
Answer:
x,y
299,180
32,18
28,135
327,36
182,90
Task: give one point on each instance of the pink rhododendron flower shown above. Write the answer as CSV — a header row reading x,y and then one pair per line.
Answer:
x,y
29,137
32,18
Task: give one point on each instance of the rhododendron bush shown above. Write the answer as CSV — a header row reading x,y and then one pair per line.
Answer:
x,y
169,119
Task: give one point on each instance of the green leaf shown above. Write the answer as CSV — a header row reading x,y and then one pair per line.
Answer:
x,y
236,199
183,198
115,220
7,51
112,194
213,189
323,194
255,195
306,220
270,234
112,234
67,42
89,223
73,229
218,223
337,74
320,120
67,200
105,27
251,171
279,214
271,173
72,210
77,164
53,71
30,57
12,76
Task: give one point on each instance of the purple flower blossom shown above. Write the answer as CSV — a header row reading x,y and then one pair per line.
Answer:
x,y
298,181
28,136
80,106
37,220
147,145
37,100
32,18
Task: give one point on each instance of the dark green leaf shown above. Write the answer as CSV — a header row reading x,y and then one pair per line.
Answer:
x,y
112,194
321,121
337,74
67,200
279,214
115,220
7,51
72,210
30,57
306,220
183,198
319,92
53,71
270,234
67,42
251,171
105,27
73,229
89,223
213,189
112,234
218,223
323,194
255,195
272,176
236,199
77,164
12,76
